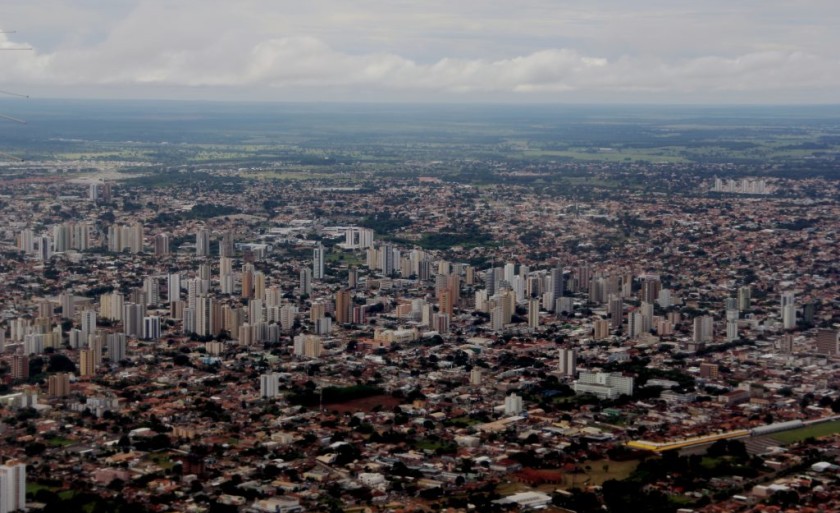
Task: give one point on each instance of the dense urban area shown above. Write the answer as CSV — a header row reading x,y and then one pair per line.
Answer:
x,y
416,331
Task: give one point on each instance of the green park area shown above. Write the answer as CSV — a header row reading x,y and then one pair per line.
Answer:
x,y
812,431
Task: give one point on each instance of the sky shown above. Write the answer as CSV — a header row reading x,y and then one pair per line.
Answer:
x,y
461,51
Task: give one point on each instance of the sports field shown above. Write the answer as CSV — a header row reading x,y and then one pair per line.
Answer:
x,y
814,431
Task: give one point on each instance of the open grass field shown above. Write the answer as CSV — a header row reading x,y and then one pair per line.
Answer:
x,y
814,431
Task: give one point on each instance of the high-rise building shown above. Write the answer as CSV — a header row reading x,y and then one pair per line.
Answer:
x,y
163,241
490,281
787,298
651,286
343,305
259,285
533,313
732,315
68,305
808,311
151,327
135,238
731,322
635,322
151,287
509,271
12,487
744,298
202,242
317,311
568,362
789,316
58,385
389,257
616,311
709,370
43,250
306,281
96,344
88,325
445,302
20,366
204,318
358,238
703,329
87,363
226,248
133,319
513,405
173,287
308,346
601,329
111,306
269,385
233,318
664,298
225,266
26,241
117,346
62,235
247,281
318,262
469,275
828,342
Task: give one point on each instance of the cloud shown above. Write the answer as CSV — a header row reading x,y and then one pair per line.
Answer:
x,y
541,49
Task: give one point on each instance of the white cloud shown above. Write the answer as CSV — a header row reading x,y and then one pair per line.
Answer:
x,y
541,48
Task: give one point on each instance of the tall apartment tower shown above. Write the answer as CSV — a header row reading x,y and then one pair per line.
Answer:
x,y
601,329
703,329
248,281
788,310
173,287
568,362
12,487
88,323
343,305
20,366
162,243
135,238
226,245
828,342
744,298
616,311
732,314
87,363
318,262
58,385
557,286
306,281
650,289
533,313
202,242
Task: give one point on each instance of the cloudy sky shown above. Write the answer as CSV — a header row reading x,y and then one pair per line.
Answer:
x,y
642,51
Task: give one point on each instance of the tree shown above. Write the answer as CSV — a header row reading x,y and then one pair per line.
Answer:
x,y
61,363
34,449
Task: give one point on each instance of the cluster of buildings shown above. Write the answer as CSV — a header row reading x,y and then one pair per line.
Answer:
x,y
321,350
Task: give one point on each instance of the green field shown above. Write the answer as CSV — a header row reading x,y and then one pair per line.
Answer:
x,y
815,431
